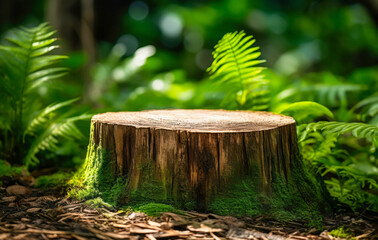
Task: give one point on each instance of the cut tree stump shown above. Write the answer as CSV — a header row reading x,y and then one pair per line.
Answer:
x,y
227,162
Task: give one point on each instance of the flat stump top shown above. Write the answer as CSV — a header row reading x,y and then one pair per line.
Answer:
x,y
197,120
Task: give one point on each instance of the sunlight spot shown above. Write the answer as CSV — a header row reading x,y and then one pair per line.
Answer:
x,y
118,74
142,54
287,64
171,25
158,85
130,42
119,49
193,41
138,10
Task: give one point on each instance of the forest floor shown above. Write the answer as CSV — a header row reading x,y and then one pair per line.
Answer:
x,y
32,213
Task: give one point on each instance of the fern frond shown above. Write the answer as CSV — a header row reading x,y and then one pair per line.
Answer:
x,y
360,130
369,108
26,65
44,116
48,140
234,70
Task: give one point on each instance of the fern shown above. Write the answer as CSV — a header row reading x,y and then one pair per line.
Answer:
x,y
369,108
356,183
25,65
234,71
360,130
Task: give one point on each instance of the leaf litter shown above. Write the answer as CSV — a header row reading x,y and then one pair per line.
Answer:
x,y
29,213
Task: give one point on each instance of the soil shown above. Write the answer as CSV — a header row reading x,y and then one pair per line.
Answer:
x,y
32,213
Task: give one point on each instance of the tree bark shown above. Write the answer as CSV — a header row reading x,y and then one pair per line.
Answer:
x,y
201,159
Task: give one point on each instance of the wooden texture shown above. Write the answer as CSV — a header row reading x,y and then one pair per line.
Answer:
x,y
195,154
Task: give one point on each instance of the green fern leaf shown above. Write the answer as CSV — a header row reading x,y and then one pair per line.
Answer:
x,y
360,130
302,111
234,70
25,66
44,116
49,138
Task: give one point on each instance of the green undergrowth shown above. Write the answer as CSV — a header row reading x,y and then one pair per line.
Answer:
x,y
56,180
155,209
7,170
342,232
98,203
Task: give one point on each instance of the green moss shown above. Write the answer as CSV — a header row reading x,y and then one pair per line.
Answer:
x,y
342,232
98,203
7,170
288,204
239,200
285,203
96,179
59,179
154,209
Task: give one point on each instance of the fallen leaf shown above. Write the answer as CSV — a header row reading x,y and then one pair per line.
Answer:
x,y
155,224
151,237
121,225
48,198
21,236
12,204
116,235
33,204
142,231
18,190
143,225
204,229
136,215
33,210
9,199
4,235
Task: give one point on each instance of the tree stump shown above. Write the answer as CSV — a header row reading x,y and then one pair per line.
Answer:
x,y
227,162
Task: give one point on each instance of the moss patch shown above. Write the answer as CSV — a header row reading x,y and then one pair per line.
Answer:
x,y
342,232
98,203
8,171
239,200
96,179
59,179
288,201
155,209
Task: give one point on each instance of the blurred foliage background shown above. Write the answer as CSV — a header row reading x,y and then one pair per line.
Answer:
x,y
136,55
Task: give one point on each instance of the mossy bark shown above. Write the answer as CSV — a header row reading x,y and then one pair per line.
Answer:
x,y
240,172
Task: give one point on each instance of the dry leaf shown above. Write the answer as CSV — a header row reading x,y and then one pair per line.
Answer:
x,y
142,231
32,210
18,190
204,229
4,236
9,199
12,204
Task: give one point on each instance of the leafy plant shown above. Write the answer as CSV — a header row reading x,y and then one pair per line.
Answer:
x,y
26,127
306,110
352,179
234,71
360,130
369,109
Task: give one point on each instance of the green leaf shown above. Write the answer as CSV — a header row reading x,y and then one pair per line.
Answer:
x,y
306,110
234,71
25,66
